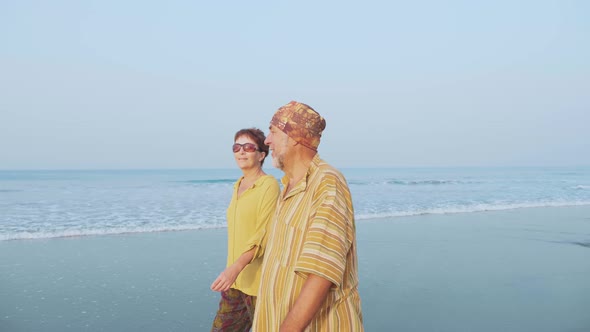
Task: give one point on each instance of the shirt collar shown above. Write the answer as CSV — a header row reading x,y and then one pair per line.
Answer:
x,y
260,179
301,186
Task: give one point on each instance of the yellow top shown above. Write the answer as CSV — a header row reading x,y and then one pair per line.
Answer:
x,y
247,217
312,231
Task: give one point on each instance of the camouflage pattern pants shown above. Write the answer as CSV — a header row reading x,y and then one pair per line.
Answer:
x,y
235,313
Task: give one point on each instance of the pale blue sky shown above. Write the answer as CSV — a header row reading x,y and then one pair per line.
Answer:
x,y
136,84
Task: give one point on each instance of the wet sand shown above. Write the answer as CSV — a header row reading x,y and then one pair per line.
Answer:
x,y
514,270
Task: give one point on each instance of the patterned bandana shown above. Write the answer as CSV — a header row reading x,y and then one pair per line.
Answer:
x,y
300,122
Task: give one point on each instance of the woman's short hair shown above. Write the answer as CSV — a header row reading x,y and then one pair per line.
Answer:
x,y
257,136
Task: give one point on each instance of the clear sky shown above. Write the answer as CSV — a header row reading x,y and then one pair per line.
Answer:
x,y
166,84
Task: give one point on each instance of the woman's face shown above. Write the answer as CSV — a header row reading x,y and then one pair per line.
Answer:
x,y
247,153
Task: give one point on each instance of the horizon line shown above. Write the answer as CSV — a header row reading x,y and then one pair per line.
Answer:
x,y
236,168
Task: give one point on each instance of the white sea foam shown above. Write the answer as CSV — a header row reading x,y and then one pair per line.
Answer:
x,y
96,232
35,205
468,209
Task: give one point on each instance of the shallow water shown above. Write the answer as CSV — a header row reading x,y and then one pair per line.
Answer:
x,y
512,271
46,204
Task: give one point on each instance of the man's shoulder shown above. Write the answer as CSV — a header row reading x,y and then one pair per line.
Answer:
x,y
326,170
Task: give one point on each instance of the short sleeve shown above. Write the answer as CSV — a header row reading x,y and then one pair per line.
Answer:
x,y
328,236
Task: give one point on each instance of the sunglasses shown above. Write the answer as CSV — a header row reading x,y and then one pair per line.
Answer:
x,y
248,147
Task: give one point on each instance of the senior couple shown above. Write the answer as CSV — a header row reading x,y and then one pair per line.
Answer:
x,y
292,261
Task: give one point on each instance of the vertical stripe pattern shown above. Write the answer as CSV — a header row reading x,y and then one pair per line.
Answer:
x,y
312,231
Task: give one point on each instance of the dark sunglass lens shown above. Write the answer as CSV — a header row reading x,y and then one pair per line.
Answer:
x,y
249,147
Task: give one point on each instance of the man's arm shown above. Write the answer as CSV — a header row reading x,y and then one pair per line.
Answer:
x,y
310,300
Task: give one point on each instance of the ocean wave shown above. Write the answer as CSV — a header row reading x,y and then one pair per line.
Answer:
x,y
99,232
32,235
582,187
424,182
214,181
9,190
409,182
468,209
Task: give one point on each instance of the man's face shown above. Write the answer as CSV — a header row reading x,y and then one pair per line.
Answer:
x,y
278,144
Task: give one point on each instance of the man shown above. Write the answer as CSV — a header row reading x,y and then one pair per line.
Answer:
x,y
309,277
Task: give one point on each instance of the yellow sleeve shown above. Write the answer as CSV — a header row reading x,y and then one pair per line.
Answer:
x,y
329,235
265,211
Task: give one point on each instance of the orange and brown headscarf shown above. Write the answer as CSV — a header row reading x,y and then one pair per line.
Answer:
x,y
300,122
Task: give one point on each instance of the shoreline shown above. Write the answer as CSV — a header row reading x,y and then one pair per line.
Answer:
x,y
357,219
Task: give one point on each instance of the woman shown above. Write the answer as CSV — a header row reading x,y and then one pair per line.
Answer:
x,y
252,205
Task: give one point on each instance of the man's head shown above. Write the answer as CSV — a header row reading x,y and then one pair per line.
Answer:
x,y
300,122
296,122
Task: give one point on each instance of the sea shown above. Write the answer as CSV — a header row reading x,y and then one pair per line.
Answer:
x,y
40,204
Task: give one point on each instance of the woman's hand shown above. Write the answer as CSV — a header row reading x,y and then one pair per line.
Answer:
x,y
225,279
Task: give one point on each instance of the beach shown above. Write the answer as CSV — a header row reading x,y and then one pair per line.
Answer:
x,y
510,270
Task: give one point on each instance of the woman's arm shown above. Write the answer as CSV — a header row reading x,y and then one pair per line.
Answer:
x,y
229,275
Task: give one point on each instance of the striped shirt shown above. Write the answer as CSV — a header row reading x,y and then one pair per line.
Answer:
x,y
312,231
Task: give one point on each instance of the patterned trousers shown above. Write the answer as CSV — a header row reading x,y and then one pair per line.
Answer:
x,y
235,313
